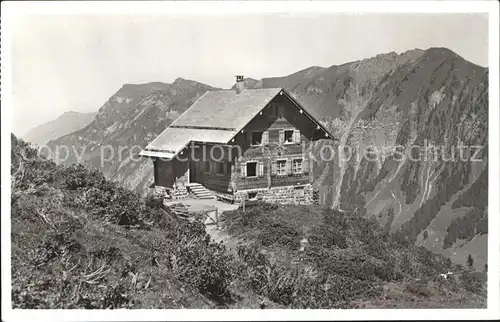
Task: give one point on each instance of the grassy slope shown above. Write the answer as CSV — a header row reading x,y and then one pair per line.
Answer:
x,y
351,260
80,241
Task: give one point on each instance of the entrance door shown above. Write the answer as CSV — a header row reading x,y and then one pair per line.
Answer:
x,y
192,172
299,194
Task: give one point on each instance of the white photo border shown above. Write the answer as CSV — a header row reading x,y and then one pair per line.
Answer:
x,y
11,10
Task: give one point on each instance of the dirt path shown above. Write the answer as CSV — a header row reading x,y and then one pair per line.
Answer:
x,y
217,235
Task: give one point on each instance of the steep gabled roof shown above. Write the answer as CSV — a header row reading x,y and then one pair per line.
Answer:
x,y
173,140
216,117
226,109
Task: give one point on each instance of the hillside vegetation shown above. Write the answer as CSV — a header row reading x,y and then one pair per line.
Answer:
x,y
431,96
81,241
344,260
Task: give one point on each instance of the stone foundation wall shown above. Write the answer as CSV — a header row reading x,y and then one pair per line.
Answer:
x,y
229,197
281,195
179,193
160,192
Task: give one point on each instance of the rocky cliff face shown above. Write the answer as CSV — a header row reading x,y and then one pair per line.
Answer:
x,y
64,124
125,124
392,106
389,104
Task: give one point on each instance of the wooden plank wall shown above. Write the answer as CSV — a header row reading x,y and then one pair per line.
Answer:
x,y
278,115
213,180
164,175
289,118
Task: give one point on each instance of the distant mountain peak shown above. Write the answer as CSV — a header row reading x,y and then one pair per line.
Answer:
x,y
185,83
414,50
71,113
391,54
180,80
438,52
128,85
442,50
64,124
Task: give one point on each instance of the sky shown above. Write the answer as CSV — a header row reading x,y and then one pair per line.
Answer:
x,y
76,62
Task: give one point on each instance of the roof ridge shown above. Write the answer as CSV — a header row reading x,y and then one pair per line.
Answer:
x,y
202,127
246,89
218,118
257,113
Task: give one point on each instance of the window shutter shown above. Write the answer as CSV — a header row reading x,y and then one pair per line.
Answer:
x,y
274,165
296,136
261,168
282,137
265,137
243,170
288,166
305,165
225,167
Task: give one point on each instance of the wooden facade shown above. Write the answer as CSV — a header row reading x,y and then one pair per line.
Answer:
x,y
272,150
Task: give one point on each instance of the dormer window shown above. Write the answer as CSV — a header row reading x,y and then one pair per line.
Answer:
x,y
289,136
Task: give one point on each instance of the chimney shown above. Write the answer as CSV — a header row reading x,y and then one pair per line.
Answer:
x,y
239,84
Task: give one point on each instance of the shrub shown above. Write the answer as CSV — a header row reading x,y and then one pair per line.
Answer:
x,y
206,266
418,288
279,234
471,282
327,237
295,288
70,252
470,261
77,176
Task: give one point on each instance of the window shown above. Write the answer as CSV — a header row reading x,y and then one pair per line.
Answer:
x,y
206,166
297,166
220,168
281,167
288,136
252,196
251,169
256,138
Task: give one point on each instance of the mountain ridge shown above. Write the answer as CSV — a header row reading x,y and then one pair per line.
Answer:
x,y
64,124
387,100
132,117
